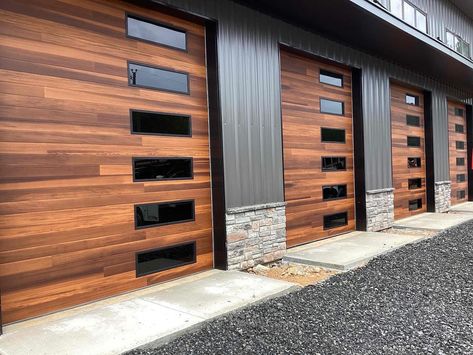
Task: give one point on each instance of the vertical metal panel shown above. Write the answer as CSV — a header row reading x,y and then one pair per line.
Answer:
x,y
250,99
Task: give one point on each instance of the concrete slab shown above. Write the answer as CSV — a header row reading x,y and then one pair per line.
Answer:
x,y
157,313
463,207
348,251
433,221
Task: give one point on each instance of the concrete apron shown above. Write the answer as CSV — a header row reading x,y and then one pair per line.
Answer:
x,y
349,250
466,207
156,314
433,221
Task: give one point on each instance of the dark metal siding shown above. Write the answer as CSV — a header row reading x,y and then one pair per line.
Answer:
x,y
250,98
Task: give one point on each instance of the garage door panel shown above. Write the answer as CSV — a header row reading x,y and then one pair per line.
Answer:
x,y
457,135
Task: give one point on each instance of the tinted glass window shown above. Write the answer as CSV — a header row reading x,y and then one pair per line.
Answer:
x,y
155,78
156,33
413,141
412,100
461,178
461,194
413,162
334,192
162,168
329,78
460,145
335,220
413,120
333,163
333,135
460,161
415,204
155,214
459,112
331,107
459,128
160,123
152,261
415,184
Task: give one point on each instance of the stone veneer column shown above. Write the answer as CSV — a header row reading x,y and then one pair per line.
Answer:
x,y
443,196
379,209
255,234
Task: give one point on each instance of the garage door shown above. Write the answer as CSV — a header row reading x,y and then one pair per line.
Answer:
x,y
408,151
458,151
104,152
318,148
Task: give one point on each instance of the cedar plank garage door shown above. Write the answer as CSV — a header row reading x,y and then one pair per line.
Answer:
x,y
318,148
458,151
68,195
408,151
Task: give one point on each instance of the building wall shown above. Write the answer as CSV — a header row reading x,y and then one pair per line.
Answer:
x,y
250,99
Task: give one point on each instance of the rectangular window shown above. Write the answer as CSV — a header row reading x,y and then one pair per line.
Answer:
x,y
334,163
460,145
459,128
153,32
457,43
415,204
156,214
153,169
333,135
334,192
159,79
461,177
413,162
461,194
160,123
413,120
336,220
459,112
421,21
409,14
396,8
412,100
413,141
415,184
330,78
331,107
460,161
151,261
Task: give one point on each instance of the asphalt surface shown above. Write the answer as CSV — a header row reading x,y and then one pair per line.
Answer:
x,y
415,300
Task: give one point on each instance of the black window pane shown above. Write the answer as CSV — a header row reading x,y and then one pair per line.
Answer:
x,y
156,33
333,163
336,220
160,123
412,100
334,192
331,107
460,161
156,78
413,120
152,261
461,178
413,141
330,78
413,162
155,214
415,204
162,168
415,184
459,112
333,135
459,128
461,194
460,145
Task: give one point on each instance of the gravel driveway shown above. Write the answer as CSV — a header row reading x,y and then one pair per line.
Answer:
x,y
416,300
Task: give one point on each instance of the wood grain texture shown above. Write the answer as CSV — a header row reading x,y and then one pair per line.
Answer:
x,y
304,149
401,151
455,153
66,185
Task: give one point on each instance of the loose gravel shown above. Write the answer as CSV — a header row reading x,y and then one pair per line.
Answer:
x,y
415,300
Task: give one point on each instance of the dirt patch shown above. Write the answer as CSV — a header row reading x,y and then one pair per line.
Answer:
x,y
407,231
296,273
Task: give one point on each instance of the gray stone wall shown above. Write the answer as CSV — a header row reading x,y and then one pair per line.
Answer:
x,y
379,209
255,235
443,194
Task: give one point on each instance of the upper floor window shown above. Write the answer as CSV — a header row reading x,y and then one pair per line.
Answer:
x,y
459,45
410,14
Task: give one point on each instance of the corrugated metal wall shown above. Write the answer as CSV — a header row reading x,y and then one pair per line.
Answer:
x,y
250,99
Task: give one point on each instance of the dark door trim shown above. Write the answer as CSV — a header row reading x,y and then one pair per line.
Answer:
x,y
469,144
429,152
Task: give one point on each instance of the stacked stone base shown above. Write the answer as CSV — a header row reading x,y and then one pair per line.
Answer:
x,y
379,209
255,235
443,194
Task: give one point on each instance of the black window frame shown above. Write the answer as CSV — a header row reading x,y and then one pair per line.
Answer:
x,y
462,160
166,223
457,130
419,159
461,177
459,112
331,170
132,131
418,201
416,97
329,113
460,145
156,23
334,142
418,186
335,198
414,146
187,74
191,159
193,261
461,194
416,118
335,214
331,74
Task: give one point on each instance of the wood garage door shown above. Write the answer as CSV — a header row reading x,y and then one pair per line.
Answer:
x,y
318,148
84,186
458,151
408,151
